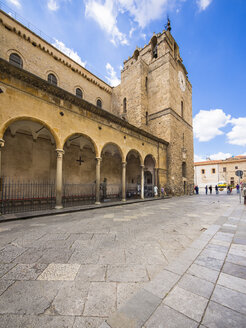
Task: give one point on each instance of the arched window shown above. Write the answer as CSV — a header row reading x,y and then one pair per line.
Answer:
x,y
52,79
154,47
124,105
79,93
16,60
99,103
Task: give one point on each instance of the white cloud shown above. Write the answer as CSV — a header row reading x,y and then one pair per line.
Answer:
x,y
112,78
213,157
198,158
203,4
53,5
237,136
144,11
207,124
69,52
220,156
16,3
105,13
106,16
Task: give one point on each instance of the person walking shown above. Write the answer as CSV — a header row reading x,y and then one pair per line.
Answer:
x,y
206,189
217,190
210,189
228,190
237,187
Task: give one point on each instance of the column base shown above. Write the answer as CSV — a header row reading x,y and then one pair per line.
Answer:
x,y
97,203
123,200
58,207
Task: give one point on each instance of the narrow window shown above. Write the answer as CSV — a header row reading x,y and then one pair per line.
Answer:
x,y
16,60
154,47
236,167
184,170
99,103
146,83
146,117
52,79
213,171
79,93
203,171
224,169
182,108
124,105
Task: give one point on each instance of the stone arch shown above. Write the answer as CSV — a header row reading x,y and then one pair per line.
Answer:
x,y
33,119
136,152
10,51
85,136
114,144
50,71
153,158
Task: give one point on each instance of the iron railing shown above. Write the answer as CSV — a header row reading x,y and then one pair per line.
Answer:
x,y
24,196
78,194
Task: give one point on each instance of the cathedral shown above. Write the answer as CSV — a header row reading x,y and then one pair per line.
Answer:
x,y
68,137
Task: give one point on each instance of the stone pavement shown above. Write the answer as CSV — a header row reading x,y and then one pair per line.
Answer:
x,y
178,262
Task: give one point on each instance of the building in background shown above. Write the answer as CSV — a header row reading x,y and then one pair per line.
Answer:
x,y
59,122
211,172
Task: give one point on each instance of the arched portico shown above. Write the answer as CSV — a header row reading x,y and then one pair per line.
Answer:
x,y
134,174
28,164
111,171
150,175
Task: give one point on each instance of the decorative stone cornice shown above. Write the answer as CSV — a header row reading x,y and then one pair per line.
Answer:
x,y
35,81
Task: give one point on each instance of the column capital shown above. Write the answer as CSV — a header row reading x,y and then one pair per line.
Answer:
x,y
142,166
60,152
124,163
98,159
2,142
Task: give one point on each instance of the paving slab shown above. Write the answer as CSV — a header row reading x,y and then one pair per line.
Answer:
x,y
230,298
28,297
25,272
218,316
234,270
136,311
203,272
232,282
165,317
127,273
56,271
196,285
187,303
101,299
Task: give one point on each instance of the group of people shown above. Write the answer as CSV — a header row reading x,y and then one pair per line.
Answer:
x,y
210,189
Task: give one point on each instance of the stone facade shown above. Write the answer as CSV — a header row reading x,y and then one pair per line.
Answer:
x,y
140,127
211,172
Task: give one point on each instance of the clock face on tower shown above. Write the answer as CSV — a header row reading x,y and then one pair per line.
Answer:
x,y
181,80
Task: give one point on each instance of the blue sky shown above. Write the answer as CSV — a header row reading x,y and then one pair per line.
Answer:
x,y
101,34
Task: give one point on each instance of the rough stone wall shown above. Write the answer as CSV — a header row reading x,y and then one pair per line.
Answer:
x,y
40,58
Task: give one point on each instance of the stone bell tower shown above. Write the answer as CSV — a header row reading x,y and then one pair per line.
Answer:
x,y
156,95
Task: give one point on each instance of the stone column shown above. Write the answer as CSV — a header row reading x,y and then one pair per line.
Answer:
x,y
123,181
98,168
155,177
1,146
60,153
142,181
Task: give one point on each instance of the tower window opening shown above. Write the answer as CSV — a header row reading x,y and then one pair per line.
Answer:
x,y
52,79
99,103
146,117
124,105
146,83
184,170
16,60
79,93
182,108
154,47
